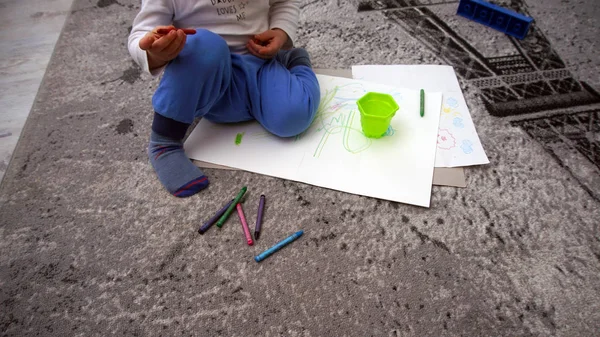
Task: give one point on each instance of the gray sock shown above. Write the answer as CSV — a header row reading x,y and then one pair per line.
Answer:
x,y
174,169
294,57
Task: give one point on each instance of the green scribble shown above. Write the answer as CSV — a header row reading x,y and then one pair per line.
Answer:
x,y
347,129
329,119
324,110
238,138
335,115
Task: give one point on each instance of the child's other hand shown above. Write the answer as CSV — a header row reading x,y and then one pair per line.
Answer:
x,y
267,44
165,45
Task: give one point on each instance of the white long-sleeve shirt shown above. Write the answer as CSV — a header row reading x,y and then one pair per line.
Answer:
x,y
235,20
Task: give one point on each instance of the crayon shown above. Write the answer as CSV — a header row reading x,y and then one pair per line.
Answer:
x,y
261,206
244,225
165,31
227,213
278,246
422,102
214,219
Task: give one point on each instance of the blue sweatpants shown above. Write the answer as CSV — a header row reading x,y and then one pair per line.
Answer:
x,y
207,80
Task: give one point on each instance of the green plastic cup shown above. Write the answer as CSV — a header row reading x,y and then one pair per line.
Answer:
x,y
376,113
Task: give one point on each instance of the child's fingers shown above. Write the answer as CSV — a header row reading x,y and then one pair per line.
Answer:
x,y
172,49
251,45
181,45
257,49
264,36
266,51
250,50
146,42
253,49
254,52
163,42
269,50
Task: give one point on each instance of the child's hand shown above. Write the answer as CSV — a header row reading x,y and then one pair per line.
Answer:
x,y
267,44
163,44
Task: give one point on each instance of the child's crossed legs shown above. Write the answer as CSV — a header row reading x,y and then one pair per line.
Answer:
x,y
207,80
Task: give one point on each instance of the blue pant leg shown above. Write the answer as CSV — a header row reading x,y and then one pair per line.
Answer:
x,y
289,99
196,79
236,104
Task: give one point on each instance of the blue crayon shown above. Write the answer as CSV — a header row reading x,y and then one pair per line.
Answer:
x,y
278,246
214,219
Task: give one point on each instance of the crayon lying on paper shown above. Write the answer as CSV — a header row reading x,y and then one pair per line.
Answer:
x,y
422,102
164,31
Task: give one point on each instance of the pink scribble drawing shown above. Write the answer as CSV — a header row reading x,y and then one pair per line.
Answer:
x,y
445,140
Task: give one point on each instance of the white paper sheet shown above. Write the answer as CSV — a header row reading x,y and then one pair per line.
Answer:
x,y
458,143
333,152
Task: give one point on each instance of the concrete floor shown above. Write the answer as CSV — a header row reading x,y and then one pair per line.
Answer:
x,y
29,30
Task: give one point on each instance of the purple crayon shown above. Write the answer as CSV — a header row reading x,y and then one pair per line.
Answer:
x,y
261,206
214,219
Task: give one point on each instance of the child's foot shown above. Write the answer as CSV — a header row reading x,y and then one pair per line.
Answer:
x,y
174,169
294,57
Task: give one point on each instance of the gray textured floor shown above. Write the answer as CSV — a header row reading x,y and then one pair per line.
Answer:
x,y
91,245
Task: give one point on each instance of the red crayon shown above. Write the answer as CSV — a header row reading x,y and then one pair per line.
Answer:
x,y
165,31
244,225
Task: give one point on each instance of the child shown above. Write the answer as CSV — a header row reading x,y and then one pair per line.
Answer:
x,y
229,67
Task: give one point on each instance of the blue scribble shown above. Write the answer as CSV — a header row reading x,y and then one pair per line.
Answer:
x,y
452,102
467,146
390,132
397,96
458,122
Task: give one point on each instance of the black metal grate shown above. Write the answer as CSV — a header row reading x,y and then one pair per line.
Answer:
x,y
531,78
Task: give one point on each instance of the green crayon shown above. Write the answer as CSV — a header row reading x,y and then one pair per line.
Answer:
x,y
231,207
422,102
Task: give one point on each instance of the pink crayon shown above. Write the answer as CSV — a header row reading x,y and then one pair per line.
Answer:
x,y
244,225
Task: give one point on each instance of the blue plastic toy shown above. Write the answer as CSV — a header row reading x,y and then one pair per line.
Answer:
x,y
499,18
